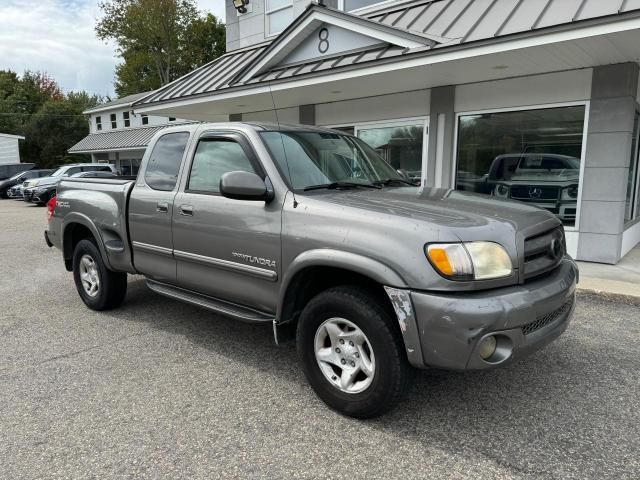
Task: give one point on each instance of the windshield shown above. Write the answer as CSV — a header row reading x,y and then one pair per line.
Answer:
x,y
318,158
16,176
58,172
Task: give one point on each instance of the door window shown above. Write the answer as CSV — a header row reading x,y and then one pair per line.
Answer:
x,y
214,158
164,162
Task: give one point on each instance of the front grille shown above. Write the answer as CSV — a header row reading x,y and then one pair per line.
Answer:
x,y
548,319
543,252
534,193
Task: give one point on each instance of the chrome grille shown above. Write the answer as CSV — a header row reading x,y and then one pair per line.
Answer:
x,y
548,319
543,252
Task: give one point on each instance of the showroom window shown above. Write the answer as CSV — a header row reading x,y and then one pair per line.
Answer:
x,y
278,15
401,143
533,156
631,205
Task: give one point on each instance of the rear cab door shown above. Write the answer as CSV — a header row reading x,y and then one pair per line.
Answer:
x,y
151,206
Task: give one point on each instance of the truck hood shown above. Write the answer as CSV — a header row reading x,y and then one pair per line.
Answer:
x,y
446,208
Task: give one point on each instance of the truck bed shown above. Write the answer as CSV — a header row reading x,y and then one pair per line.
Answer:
x,y
101,205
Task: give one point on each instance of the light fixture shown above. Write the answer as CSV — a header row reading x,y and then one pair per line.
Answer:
x,y
241,5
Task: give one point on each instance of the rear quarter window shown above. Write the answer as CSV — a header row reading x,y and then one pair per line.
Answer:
x,y
164,163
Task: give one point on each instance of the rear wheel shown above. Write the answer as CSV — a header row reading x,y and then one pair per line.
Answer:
x,y
352,353
99,288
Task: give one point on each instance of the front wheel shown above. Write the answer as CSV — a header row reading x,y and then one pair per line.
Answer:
x,y
352,353
99,288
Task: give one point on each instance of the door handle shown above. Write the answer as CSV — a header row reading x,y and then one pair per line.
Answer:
x,y
186,210
162,207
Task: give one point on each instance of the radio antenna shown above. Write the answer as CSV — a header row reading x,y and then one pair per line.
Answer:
x,y
284,150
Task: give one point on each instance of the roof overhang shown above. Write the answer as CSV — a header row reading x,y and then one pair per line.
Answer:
x,y
587,44
16,137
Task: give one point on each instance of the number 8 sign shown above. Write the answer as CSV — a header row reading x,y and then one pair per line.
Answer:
x,y
323,36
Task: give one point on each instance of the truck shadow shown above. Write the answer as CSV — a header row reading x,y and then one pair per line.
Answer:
x,y
530,417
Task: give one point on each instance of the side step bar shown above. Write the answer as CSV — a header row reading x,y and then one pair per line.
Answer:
x,y
223,307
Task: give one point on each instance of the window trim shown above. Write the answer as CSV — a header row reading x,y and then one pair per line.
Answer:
x,y
98,122
126,119
268,12
398,122
541,106
144,117
227,136
113,118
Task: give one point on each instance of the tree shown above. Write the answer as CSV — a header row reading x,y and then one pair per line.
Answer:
x,y
56,127
158,40
33,105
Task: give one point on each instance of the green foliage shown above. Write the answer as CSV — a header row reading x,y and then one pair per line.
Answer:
x,y
32,105
158,40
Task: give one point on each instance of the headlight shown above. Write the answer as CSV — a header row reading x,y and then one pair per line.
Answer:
x,y
470,260
570,193
32,183
502,190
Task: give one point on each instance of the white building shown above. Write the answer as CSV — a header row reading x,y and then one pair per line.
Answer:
x,y
118,136
9,149
536,100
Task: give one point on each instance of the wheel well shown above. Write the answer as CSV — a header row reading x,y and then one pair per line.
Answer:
x,y
310,281
73,233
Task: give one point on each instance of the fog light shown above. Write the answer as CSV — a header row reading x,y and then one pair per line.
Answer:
x,y
487,347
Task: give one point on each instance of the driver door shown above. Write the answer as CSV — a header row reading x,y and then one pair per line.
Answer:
x,y
228,249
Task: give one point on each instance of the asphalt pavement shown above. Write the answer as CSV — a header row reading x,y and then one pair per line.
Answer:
x,y
159,389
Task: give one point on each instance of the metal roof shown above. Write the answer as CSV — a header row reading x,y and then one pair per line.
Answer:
x,y
117,139
453,22
128,100
471,20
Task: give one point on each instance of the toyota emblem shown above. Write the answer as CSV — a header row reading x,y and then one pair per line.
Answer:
x,y
535,192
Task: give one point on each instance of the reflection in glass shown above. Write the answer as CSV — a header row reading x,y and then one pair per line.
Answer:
x,y
213,159
532,156
400,146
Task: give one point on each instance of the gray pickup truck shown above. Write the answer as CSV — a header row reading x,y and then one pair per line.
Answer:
x,y
310,230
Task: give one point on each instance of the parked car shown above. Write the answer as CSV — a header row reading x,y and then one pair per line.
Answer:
x,y
8,170
545,180
20,177
41,194
327,243
39,191
15,192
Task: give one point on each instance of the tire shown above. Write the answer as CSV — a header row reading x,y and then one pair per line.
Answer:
x,y
111,286
347,307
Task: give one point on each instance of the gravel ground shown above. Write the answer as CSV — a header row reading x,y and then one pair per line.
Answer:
x,y
161,389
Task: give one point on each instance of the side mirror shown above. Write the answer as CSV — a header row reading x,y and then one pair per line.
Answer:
x,y
245,186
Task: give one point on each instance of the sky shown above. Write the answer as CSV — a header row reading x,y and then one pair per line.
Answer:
x,y
57,37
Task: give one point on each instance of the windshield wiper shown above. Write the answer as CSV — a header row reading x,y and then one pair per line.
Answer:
x,y
389,181
334,185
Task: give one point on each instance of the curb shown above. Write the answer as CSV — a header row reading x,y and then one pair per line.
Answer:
x,y
618,297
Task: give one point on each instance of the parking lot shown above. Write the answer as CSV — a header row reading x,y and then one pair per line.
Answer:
x,y
161,389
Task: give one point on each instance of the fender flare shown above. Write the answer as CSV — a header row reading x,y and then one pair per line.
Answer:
x,y
326,257
85,221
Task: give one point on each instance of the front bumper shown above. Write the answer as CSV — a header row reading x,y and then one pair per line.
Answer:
x,y
448,328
